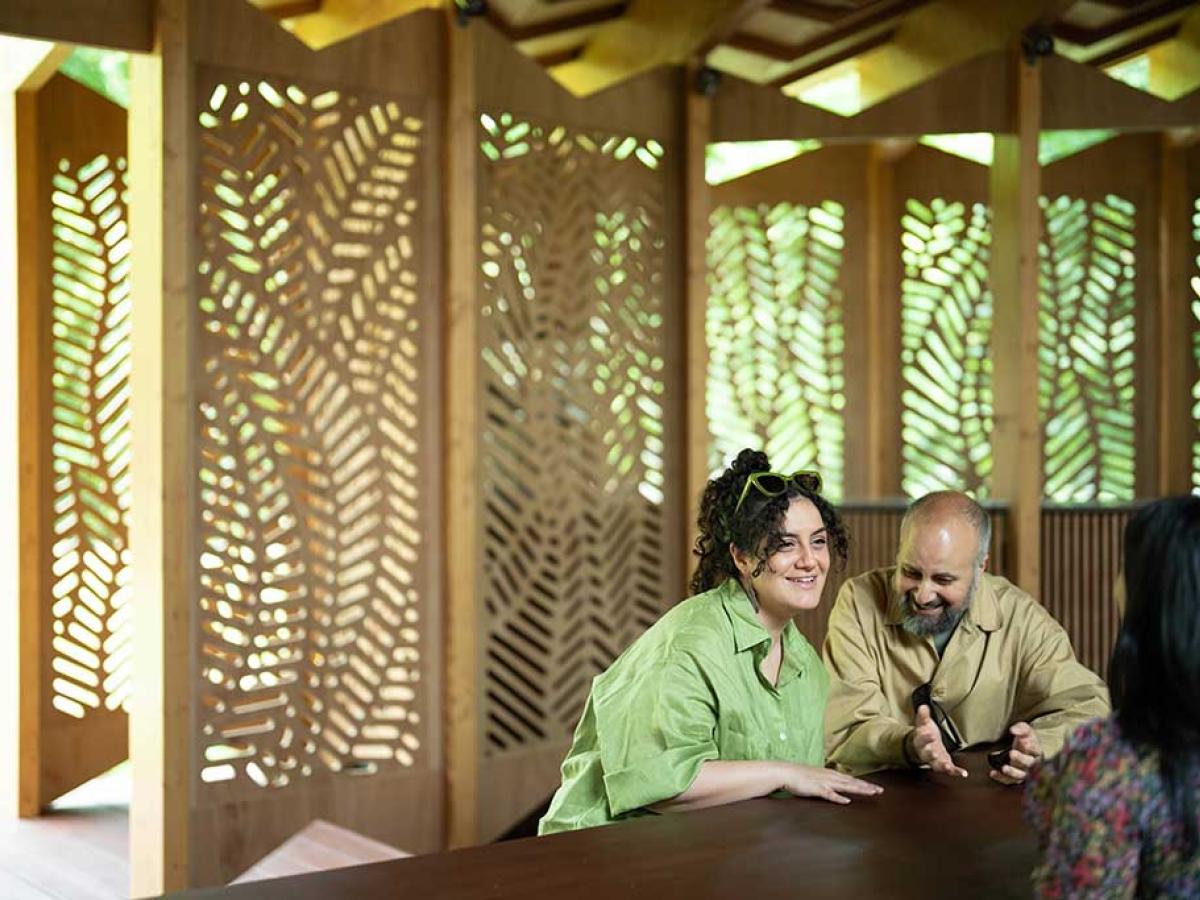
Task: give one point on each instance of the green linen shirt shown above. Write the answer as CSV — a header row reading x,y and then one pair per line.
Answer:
x,y
688,690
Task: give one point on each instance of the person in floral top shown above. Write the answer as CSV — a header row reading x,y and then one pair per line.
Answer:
x,y
1116,811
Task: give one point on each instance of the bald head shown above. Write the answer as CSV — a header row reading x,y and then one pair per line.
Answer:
x,y
949,510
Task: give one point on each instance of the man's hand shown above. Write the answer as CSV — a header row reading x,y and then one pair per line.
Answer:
x,y
925,744
1024,753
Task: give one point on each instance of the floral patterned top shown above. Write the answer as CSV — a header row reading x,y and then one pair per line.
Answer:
x,y
1104,823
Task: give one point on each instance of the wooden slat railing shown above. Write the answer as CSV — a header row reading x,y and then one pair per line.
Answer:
x,y
1081,557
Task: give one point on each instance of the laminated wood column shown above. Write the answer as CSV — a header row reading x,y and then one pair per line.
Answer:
x,y
462,522
1017,439
697,206
1176,361
881,372
162,532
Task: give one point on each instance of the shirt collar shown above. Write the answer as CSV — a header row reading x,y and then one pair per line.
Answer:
x,y
747,630
984,613
749,633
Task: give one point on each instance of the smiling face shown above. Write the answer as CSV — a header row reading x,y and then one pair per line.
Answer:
x,y
937,572
792,578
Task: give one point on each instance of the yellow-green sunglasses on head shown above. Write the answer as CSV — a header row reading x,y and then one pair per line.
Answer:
x,y
772,484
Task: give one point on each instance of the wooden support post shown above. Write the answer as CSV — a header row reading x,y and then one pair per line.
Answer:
x,y
1016,226
697,121
162,166
882,478
1176,367
462,493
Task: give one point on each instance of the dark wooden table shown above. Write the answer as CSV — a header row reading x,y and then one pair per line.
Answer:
x,y
927,836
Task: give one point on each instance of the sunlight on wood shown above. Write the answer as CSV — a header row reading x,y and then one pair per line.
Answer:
x,y
652,33
1175,64
341,19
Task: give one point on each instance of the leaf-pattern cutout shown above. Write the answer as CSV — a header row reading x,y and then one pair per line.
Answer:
x,y
775,335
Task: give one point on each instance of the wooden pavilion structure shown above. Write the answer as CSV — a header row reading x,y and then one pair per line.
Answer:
x,y
367,371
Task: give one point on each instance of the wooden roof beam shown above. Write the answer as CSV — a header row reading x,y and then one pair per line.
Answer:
x,y
288,9
119,24
931,40
652,33
1097,45
546,27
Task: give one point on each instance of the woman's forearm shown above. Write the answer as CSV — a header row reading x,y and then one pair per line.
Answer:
x,y
725,781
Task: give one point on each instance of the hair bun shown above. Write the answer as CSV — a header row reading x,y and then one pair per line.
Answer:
x,y
749,461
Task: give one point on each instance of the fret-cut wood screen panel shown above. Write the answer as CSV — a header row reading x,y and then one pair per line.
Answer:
x,y
946,324
576,303
1086,351
1095,284
1098,298
317,621
786,290
775,330
76,396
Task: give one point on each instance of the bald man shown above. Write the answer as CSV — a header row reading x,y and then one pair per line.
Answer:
x,y
935,655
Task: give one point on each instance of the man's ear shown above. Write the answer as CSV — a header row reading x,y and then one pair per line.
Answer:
x,y
983,565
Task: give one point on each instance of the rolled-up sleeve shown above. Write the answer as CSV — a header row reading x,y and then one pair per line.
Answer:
x,y
860,733
655,730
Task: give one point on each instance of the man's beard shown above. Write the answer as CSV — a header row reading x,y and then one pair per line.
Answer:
x,y
923,626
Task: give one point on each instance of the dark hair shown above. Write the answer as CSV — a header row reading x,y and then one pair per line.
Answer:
x,y
757,528
1154,674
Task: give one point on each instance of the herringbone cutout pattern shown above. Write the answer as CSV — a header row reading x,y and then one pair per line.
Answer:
x,y
573,325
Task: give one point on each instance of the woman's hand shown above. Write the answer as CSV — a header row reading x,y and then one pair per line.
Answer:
x,y
727,781
827,784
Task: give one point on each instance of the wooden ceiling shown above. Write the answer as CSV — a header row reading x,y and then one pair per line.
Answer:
x,y
888,45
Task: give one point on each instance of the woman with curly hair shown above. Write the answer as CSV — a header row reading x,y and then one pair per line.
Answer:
x,y
722,699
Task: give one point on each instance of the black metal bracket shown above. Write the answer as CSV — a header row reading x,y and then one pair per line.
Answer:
x,y
1037,41
708,80
466,10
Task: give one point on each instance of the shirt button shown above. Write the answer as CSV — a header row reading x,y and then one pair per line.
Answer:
x,y
783,735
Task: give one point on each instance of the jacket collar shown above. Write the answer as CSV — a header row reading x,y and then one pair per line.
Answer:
x,y
983,614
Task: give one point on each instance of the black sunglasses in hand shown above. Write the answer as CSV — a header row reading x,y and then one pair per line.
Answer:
x,y
951,738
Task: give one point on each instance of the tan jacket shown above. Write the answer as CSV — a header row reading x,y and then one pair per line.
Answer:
x,y
1008,661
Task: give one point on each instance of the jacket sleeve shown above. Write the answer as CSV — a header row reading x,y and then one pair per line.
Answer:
x,y
860,734
1057,693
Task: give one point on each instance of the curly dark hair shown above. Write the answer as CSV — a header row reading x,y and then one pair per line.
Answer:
x,y
757,528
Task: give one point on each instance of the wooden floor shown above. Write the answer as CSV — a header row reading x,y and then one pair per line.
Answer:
x,y
77,851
